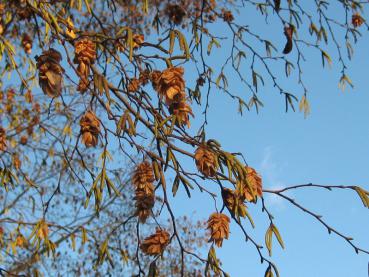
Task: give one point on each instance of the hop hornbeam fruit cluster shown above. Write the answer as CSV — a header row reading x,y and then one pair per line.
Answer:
x,y
234,202
43,231
255,182
156,243
138,39
227,16
27,43
134,85
85,56
175,13
50,72
218,224
16,161
206,161
2,139
357,20
171,86
90,129
20,241
143,179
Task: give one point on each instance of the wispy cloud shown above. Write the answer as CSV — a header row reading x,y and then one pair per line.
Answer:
x,y
272,173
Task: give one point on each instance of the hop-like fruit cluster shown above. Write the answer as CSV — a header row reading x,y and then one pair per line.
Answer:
x,y
50,72
171,85
16,161
145,200
43,231
156,243
175,13
27,43
20,241
206,161
218,224
90,129
23,140
357,20
2,139
138,39
144,77
254,181
134,85
182,111
234,202
155,78
143,179
85,56
227,16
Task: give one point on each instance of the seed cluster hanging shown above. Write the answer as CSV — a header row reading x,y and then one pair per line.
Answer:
x,y
90,129
156,243
85,56
50,72
218,224
143,181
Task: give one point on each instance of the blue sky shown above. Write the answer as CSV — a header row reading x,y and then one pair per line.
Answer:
x,y
329,147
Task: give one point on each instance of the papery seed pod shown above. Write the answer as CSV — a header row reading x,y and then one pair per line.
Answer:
x,y
36,107
357,20
142,179
20,241
24,14
43,230
90,129
234,202
10,94
227,16
2,9
85,56
144,77
85,50
27,43
143,175
138,40
206,161
30,130
28,96
156,243
2,139
133,85
175,13
254,180
145,200
23,140
50,72
155,78
171,85
182,111
218,224
16,161
82,85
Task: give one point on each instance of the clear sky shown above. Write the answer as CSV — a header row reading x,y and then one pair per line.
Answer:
x,y
330,147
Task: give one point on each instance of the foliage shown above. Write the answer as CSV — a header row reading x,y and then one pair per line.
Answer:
x,y
96,129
